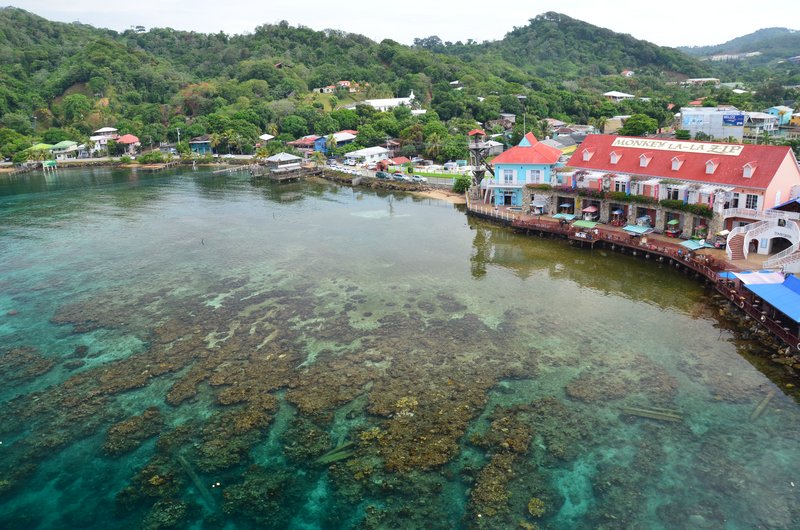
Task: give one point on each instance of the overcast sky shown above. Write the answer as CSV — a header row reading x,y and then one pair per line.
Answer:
x,y
677,23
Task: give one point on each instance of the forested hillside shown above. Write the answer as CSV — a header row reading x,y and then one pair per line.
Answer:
x,y
61,81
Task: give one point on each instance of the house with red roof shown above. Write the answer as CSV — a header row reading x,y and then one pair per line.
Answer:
x,y
529,162
130,142
305,143
739,183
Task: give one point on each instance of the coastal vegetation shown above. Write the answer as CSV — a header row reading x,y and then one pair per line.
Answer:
x,y
62,81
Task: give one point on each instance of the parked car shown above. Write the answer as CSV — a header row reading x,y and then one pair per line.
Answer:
x,y
417,178
382,175
401,177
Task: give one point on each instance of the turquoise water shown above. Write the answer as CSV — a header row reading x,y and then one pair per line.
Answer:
x,y
187,350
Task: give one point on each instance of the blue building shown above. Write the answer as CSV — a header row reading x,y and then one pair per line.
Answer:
x,y
783,113
201,145
530,162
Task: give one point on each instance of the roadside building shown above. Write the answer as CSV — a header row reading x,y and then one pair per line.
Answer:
x,y
715,122
341,138
130,142
100,138
201,145
529,162
368,155
65,150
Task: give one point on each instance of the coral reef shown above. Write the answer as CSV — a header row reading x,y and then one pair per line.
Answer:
x,y
22,364
127,435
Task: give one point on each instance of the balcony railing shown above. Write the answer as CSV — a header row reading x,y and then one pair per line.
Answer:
x,y
749,213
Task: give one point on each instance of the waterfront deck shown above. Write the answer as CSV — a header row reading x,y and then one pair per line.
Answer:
x,y
708,263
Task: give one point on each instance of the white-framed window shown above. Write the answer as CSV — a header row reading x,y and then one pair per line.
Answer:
x,y
751,202
676,163
644,160
673,194
619,186
615,157
587,155
748,171
710,167
508,176
535,176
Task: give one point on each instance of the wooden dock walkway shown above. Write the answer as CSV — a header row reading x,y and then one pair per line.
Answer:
x,y
649,246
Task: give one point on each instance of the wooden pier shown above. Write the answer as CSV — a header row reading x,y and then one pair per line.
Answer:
x,y
663,251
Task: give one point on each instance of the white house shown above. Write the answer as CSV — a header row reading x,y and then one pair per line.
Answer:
x,y
100,138
368,155
617,96
390,103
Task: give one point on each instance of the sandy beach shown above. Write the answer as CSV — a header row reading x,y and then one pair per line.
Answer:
x,y
445,195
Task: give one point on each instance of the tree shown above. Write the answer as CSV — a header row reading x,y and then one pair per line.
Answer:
x,y
433,145
318,158
639,125
294,125
331,143
76,107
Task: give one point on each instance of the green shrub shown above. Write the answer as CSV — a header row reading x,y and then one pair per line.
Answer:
x,y
461,183
125,159
539,186
153,157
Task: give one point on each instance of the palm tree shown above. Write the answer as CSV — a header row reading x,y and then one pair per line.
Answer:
x,y
331,143
261,153
318,158
214,139
434,147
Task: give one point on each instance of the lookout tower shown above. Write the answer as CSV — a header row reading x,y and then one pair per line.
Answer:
x,y
477,153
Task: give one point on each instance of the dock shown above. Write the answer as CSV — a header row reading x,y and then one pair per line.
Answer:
x,y
650,247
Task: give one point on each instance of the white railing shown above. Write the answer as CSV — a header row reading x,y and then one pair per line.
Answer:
x,y
788,255
744,231
749,213
490,211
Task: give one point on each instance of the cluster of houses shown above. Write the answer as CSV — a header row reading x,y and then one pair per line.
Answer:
x,y
726,121
98,143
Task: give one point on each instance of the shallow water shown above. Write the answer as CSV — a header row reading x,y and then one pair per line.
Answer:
x,y
187,350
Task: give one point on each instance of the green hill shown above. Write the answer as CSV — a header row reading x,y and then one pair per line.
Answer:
x,y
555,44
60,81
772,43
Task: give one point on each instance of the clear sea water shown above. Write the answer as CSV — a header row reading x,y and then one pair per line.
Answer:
x,y
189,350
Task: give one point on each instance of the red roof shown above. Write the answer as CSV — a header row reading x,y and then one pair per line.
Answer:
x,y
304,141
729,169
473,132
399,160
534,153
127,139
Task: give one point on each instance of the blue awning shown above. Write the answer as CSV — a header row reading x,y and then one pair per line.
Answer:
x,y
785,297
639,230
695,245
565,205
567,216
